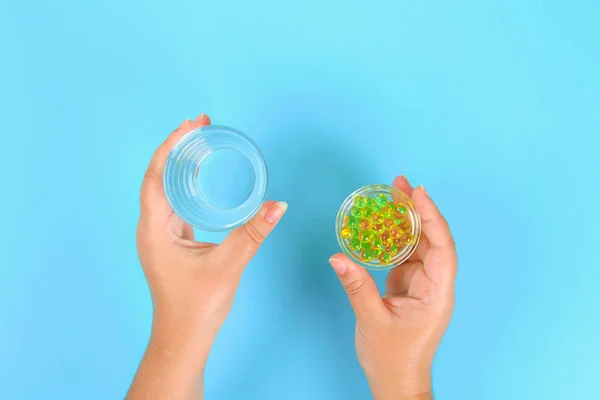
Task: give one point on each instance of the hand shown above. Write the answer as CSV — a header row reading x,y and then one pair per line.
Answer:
x,y
397,335
192,284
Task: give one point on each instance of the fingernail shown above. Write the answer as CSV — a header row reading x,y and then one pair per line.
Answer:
x,y
424,191
276,211
201,117
338,266
404,177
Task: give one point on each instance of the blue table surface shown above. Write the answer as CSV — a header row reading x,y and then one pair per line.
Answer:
x,y
493,105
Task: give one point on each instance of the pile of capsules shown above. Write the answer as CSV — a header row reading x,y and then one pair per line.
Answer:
x,y
377,228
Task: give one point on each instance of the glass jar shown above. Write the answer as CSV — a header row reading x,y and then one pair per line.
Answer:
x,y
215,178
378,227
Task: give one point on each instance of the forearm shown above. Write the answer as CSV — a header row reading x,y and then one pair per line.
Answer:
x,y
170,369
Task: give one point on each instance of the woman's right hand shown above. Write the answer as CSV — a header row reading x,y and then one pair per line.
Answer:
x,y
397,335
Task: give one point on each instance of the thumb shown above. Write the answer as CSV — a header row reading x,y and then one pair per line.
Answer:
x,y
360,287
242,243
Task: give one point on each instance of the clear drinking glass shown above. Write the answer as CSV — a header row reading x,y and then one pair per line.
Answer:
x,y
215,178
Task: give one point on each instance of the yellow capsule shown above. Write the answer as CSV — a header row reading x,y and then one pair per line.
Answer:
x,y
386,237
365,224
396,233
389,223
377,218
346,232
379,228
407,238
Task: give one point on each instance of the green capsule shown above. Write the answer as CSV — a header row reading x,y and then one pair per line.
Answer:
x,y
376,253
367,255
381,200
355,212
352,222
371,202
365,236
360,201
392,207
376,243
365,246
401,210
354,244
399,221
367,212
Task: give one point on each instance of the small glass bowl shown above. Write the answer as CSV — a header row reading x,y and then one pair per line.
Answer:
x,y
215,178
400,226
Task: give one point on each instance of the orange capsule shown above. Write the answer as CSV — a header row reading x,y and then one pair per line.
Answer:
x,y
365,224
378,228
389,223
346,219
405,227
398,242
396,233
377,218
407,238
386,237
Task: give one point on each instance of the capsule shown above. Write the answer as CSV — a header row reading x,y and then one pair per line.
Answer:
x,y
378,228
360,201
346,232
352,222
354,244
407,238
401,209
365,236
365,246
396,233
367,255
385,257
371,202
392,249
389,223
387,212
367,212
365,224
381,200
355,212
377,218
386,237
376,243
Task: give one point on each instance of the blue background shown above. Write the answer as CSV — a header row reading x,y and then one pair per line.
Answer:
x,y
493,105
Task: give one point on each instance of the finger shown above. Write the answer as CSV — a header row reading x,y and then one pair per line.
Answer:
x,y
159,158
152,195
439,260
401,183
360,287
243,242
399,279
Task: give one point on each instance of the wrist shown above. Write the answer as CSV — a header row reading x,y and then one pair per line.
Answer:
x,y
415,385
185,344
